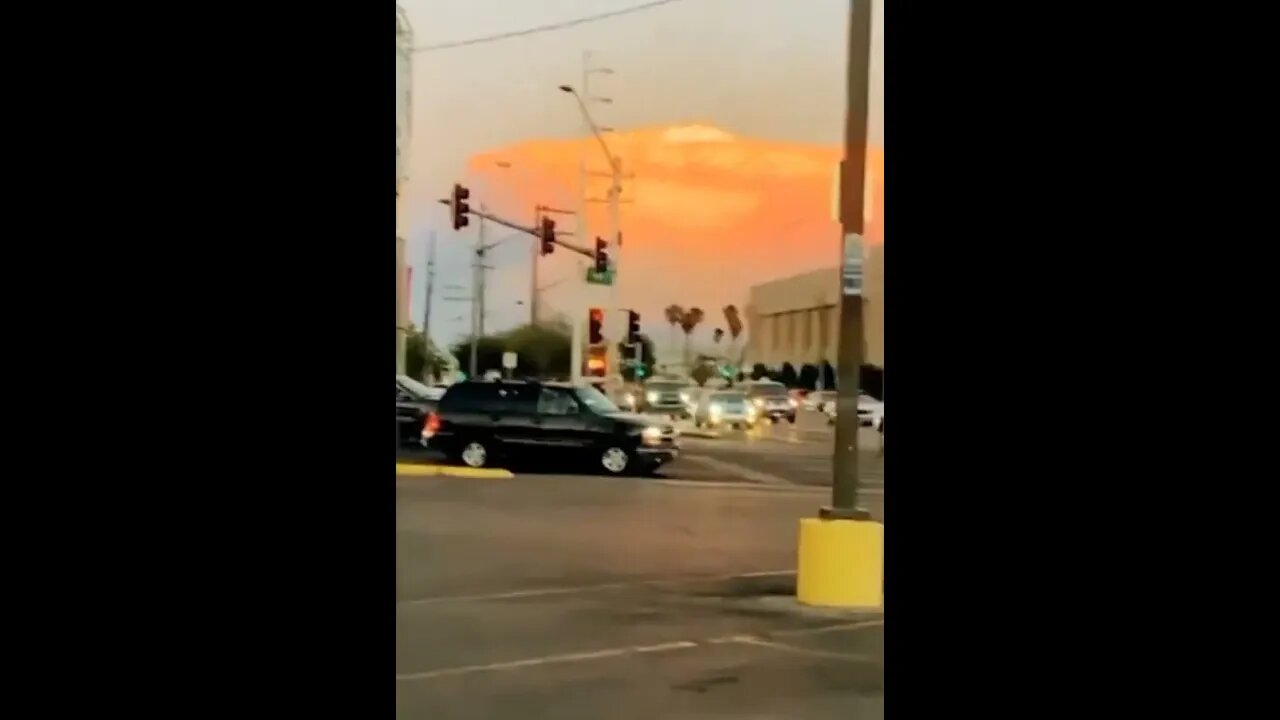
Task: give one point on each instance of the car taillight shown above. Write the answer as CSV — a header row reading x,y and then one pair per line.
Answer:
x,y
431,426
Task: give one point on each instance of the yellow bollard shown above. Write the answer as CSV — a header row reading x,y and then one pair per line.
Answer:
x,y
841,563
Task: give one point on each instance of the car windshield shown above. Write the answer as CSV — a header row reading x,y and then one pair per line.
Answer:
x,y
769,390
729,397
664,387
595,400
413,387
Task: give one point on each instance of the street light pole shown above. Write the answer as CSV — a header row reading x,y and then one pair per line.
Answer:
x,y
841,552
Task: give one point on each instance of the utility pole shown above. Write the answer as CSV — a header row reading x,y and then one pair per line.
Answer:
x,y
535,253
844,490
426,313
841,552
477,303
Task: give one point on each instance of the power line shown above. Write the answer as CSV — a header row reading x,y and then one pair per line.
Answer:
x,y
544,28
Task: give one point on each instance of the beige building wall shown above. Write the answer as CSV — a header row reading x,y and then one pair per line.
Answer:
x,y
797,319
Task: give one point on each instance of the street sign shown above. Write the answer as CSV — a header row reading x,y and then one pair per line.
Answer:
x,y
852,271
509,360
604,278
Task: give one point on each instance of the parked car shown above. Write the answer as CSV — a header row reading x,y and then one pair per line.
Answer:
x,y
870,411
413,402
771,401
719,408
479,423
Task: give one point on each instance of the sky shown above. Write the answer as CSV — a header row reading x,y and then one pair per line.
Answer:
x,y
760,69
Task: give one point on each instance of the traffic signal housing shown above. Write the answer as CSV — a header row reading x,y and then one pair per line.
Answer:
x,y
602,256
597,365
633,327
595,325
548,235
458,202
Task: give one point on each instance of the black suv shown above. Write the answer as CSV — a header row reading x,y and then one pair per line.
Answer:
x,y
413,402
479,421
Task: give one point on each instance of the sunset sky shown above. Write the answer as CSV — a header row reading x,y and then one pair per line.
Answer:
x,y
730,113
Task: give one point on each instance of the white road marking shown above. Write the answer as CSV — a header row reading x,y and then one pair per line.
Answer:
x,y
540,592
795,649
829,628
634,650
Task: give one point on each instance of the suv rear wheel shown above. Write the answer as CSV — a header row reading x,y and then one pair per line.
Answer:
x,y
615,460
474,454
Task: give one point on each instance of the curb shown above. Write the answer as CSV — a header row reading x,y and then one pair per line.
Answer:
x,y
453,471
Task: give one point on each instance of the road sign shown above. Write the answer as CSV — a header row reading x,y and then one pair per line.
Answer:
x,y
852,275
509,360
604,278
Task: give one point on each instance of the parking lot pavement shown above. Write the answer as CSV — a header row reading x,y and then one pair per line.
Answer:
x,y
572,596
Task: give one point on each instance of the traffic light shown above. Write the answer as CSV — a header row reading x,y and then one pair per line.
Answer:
x,y
460,206
595,324
548,233
602,256
596,364
633,327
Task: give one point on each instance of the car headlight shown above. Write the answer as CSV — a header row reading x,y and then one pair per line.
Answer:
x,y
716,409
651,396
629,399
684,397
794,403
751,412
651,434
759,402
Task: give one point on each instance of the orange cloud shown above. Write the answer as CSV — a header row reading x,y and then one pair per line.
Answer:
x,y
712,213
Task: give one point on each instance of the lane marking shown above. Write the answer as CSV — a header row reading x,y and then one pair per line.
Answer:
x,y
803,632
630,650
452,471
541,592
797,650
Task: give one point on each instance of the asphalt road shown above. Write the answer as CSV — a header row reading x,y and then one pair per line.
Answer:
x,y
574,596
799,454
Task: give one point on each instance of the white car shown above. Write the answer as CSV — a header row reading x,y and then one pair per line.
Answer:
x,y
870,411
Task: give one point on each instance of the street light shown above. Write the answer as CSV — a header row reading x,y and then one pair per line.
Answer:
x,y
595,129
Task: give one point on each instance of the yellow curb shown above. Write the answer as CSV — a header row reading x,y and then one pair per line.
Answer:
x,y
453,471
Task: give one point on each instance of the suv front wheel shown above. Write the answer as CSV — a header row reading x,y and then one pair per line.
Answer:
x,y
615,460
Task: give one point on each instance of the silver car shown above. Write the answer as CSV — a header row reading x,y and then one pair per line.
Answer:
x,y
724,408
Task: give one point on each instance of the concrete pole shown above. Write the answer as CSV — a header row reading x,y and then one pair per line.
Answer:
x,y
844,490
577,315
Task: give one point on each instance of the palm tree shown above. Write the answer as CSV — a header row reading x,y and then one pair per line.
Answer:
x,y
688,322
674,314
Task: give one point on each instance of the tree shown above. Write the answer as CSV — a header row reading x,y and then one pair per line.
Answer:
x,y
421,357
828,376
759,371
808,376
541,350
674,314
688,323
787,376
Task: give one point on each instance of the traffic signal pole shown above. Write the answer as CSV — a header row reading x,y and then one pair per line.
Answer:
x,y
841,560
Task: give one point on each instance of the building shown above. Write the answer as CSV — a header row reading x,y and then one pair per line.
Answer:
x,y
404,50
797,319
